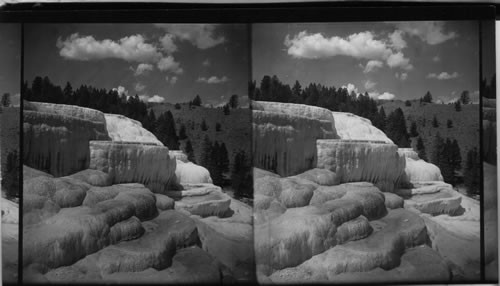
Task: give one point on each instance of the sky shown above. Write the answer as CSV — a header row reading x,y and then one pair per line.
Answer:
x,y
159,62
389,60
10,60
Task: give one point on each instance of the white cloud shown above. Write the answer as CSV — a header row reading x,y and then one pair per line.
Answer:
x,y
139,87
398,60
143,68
206,63
173,80
351,88
167,43
396,40
361,45
85,48
200,35
372,66
436,59
370,84
121,90
212,79
443,75
156,98
169,64
383,96
402,76
431,32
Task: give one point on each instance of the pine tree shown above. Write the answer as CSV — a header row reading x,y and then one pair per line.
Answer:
x,y
206,151
196,101
217,126
215,167
188,149
427,97
224,158
413,129
445,164
233,101
241,176
421,149
471,172
182,132
435,122
204,126
437,148
449,123
6,100
396,128
458,106
455,156
226,109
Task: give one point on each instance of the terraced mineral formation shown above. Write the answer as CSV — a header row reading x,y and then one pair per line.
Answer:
x,y
150,165
352,127
56,136
417,169
123,129
130,212
365,211
358,161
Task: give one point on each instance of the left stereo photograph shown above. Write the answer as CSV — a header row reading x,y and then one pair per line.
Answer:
x,y
136,154
10,78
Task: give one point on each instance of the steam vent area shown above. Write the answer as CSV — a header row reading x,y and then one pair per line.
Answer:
x,y
337,201
106,202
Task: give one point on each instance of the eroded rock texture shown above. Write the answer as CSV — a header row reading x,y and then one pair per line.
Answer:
x,y
352,127
280,129
150,165
357,161
124,129
56,137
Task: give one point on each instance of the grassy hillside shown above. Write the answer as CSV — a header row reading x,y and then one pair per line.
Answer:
x,y
235,131
465,123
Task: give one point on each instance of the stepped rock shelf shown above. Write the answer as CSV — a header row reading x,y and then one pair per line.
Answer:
x,y
353,207
106,202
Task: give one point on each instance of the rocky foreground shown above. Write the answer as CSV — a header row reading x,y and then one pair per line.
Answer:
x,y
353,207
10,240
105,201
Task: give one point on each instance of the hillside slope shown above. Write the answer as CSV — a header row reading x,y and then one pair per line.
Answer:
x,y
465,127
235,131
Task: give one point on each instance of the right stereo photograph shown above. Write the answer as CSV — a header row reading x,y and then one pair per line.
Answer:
x,y
366,148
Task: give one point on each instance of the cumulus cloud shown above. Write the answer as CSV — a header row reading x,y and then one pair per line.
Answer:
x,y
156,98
167,43
372,66
202,36
351,88
361,45
381,96
370,84
398,60
169,64
431,32
143,68
436,59
402,76
443,75
85,48
121,90
212,79
139,87
172,80
396,40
